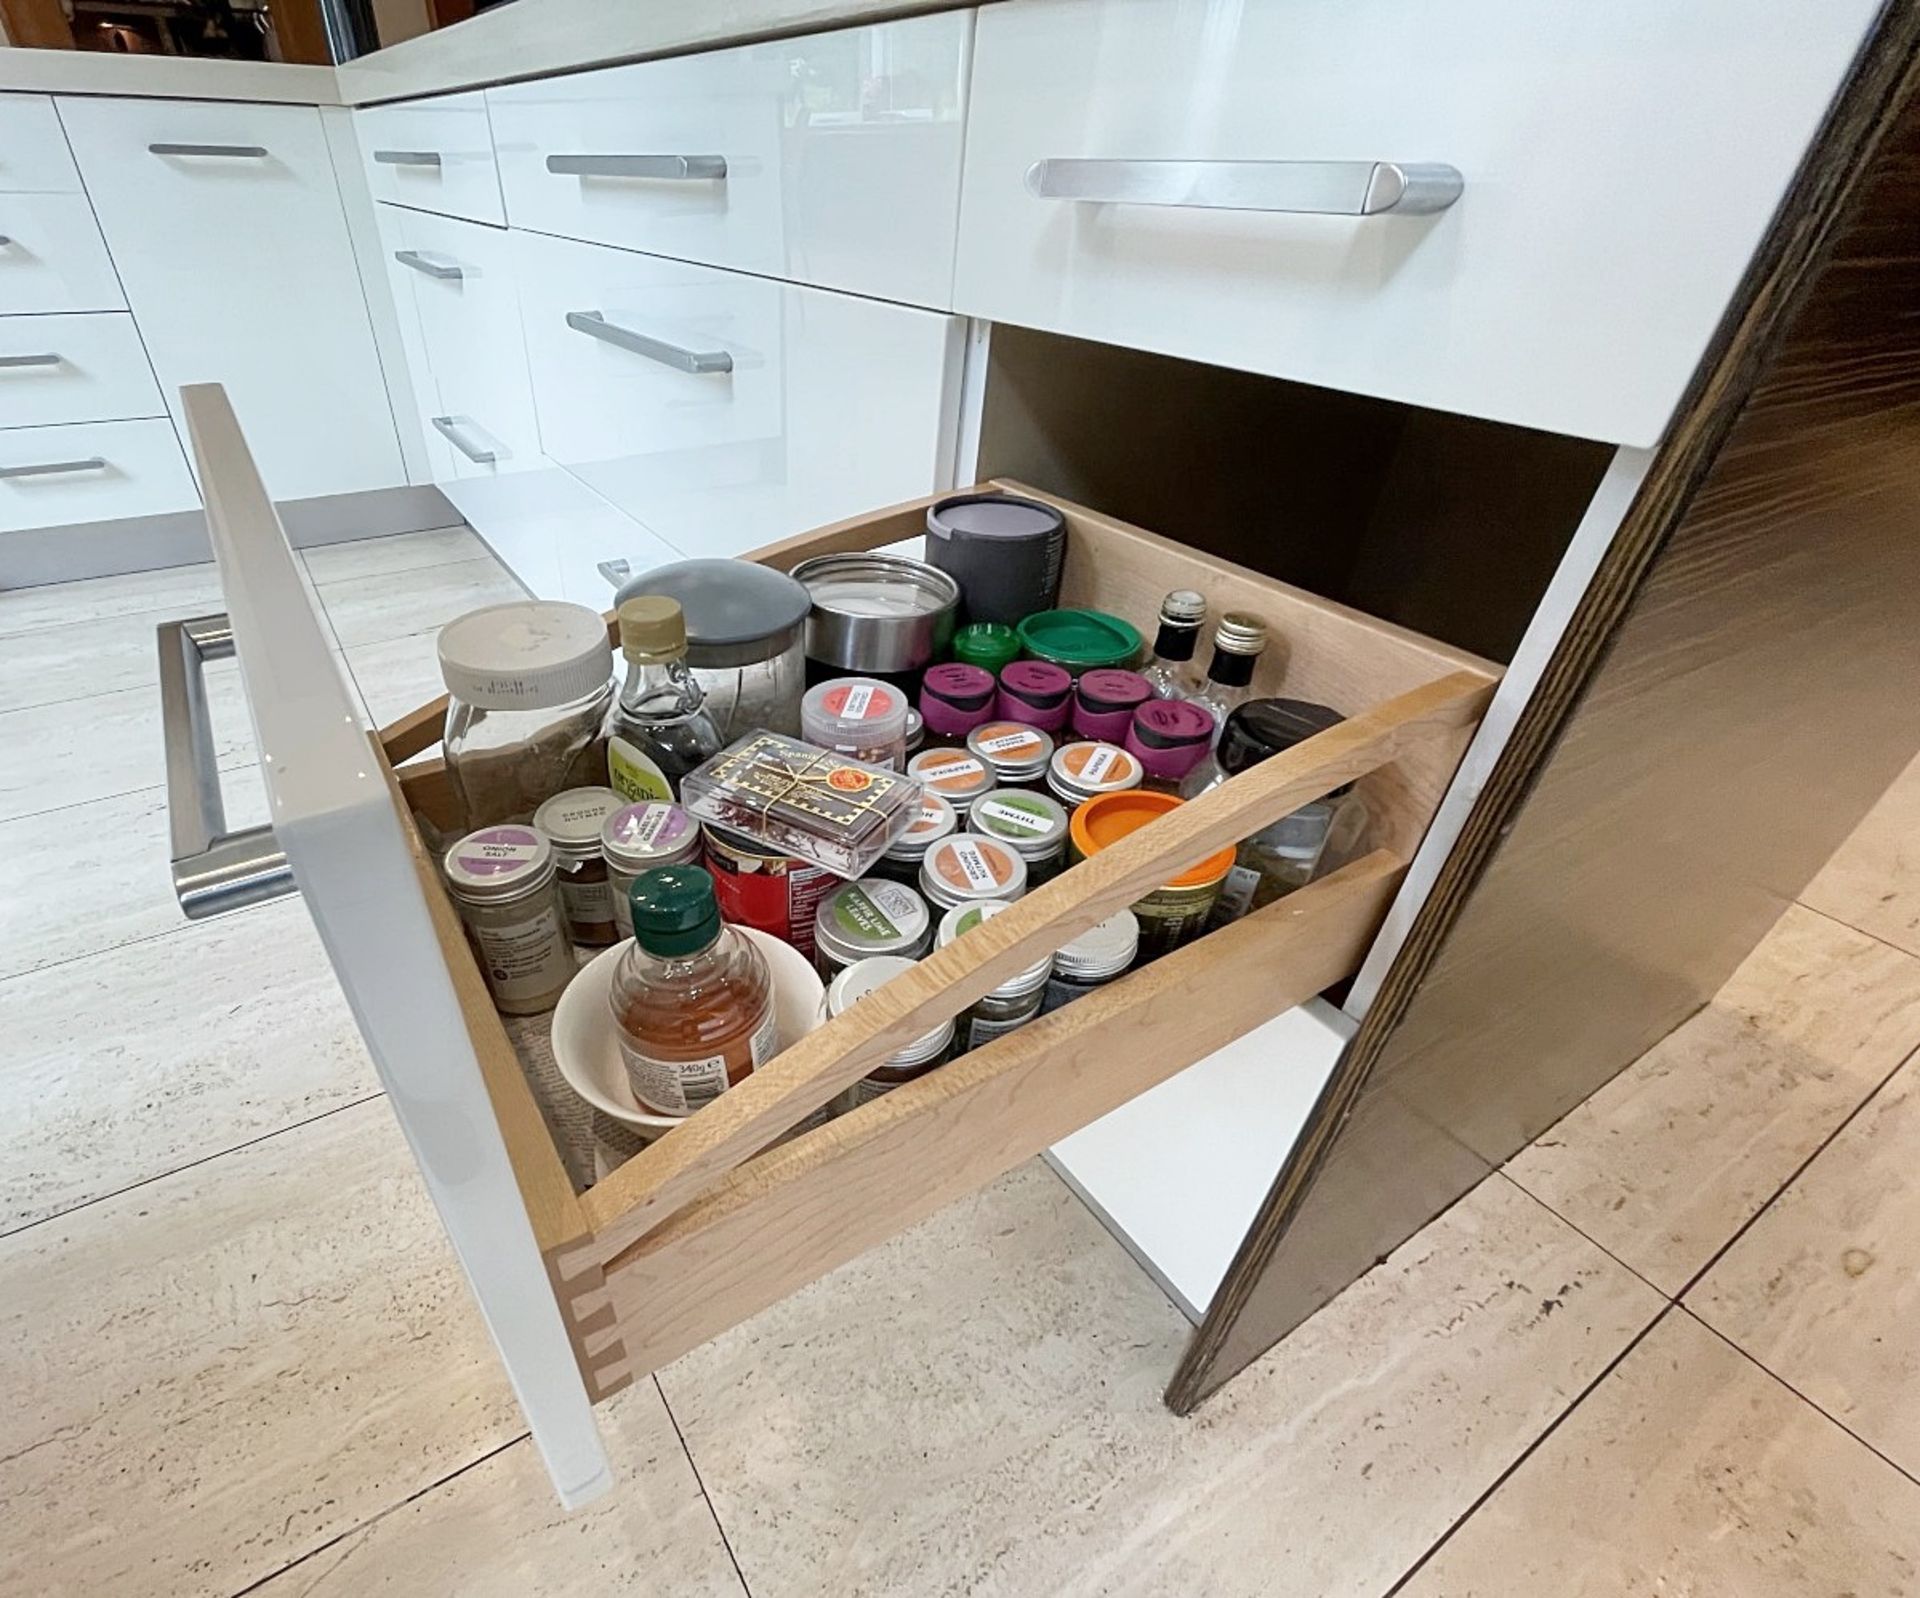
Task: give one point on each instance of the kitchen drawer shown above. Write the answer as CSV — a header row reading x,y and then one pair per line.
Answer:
x,y
832,159
33,150
433,155
588,1291
454,291
87,368
1620,164
95,471
722,410
52,257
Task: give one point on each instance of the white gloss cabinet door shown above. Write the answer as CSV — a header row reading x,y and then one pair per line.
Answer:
x,y
831,159
232,243
1620,164
433,155
52,257
91,472
724,411
88,368
33,150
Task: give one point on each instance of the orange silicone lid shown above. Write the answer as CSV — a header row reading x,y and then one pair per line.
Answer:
x,y
1100,823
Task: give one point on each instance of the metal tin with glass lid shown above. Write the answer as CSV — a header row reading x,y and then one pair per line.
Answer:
x,y
901,862
955,775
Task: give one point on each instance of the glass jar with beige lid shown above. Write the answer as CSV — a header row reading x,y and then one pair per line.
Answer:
x,y
502,880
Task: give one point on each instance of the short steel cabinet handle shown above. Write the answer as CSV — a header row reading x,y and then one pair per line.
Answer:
x,y
699,362
423,263
665,168
213,870
92,463
4,241
15,361
407,157
250,152
449,429
1325,188
616,572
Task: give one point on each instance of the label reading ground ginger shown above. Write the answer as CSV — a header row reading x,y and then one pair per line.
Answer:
x,y
965,864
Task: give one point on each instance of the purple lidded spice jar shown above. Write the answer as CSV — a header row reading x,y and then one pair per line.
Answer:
x,y
1170,737
954,699
1036,693
1104,701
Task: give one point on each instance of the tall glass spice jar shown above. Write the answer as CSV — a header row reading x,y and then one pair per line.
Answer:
x,y
1169,737
954,699
1011,1005
502,880
638,838
1172,914
572,823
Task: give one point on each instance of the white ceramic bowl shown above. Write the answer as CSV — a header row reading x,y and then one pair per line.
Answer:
x,y
588,1053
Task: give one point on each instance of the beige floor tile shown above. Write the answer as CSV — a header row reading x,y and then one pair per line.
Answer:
x,y
223,1370
398,675
1873,881
1670,1159
975,1408
1824,1290
122,1066
496,1531
1689,1473
184,590
401,552
49,664
370,610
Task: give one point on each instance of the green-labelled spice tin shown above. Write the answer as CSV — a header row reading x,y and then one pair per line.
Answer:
x,y
869,918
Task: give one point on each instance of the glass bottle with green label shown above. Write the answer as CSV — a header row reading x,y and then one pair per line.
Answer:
x,y
659,728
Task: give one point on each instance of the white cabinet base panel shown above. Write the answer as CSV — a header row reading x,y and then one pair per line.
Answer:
x,y
1179,1173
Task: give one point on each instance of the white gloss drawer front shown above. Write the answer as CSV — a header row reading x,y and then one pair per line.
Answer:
x,y
1271,187
722,410
832,159
434,155
52,257
33,150
89,368
96,471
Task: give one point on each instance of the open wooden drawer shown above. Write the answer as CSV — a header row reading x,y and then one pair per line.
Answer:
x,y
710,1223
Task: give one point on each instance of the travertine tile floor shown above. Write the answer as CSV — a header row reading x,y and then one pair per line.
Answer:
x,y
1667,1350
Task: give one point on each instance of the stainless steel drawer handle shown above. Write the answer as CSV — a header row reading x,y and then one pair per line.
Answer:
x,y
4,241
92,463
424,263
666,168
213,870
407,157
449,429
700,362
251,152
16,361
1321,188
616,572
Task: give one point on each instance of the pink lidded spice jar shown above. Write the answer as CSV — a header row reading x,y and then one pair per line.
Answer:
x,y
1036,693
1104,701
954,699
1169,737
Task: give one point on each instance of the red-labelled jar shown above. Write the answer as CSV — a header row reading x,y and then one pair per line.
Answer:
x,y
1104,701
1037,693
1169,737
954,699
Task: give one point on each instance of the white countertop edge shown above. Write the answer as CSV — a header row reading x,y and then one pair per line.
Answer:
x,y
166,77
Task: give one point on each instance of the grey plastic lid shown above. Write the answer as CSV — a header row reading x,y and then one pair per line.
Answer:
x,y
738,613
993,516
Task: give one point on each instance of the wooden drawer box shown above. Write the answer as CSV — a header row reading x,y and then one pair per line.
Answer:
x,y
709,1224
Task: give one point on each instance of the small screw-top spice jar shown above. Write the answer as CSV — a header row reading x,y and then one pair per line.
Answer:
x,y
1014,1003
866,919
502,878
901,862
953,774
1098,956
966,869
1013,752
1036,693
1032,824
859,717
916,1059
636,838
1084,771
572,823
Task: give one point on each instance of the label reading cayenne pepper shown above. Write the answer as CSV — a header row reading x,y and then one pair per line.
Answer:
x,y
1007,743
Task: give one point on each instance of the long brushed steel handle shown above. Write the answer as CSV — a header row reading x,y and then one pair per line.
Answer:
x,y
664,168
1320,188
250,152
449,429
14,361
91,463
213,870
681,359
407,157
423,263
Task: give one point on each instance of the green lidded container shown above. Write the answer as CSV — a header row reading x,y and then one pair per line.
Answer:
x,y
1079,640
990,645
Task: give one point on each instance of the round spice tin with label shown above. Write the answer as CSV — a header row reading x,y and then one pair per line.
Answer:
x,y
901,862
1034,825
1015,1002
572,823
1084,771
1013,752
636,838
866,919
1168,916
1101,954
967,868
953,774
778,894
502,879
859,717
916,1059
